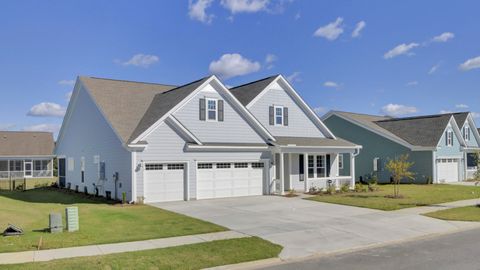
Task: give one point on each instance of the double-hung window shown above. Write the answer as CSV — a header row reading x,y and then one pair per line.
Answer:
x,y
278,115
449,138
212,109
317,166
466,133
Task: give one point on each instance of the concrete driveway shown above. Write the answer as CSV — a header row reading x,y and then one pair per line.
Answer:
x,y
306,228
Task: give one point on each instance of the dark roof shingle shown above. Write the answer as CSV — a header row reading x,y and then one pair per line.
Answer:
x,y
247,92
26,143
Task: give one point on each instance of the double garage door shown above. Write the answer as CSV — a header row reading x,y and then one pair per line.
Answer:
x,y
229,179
167,181
447,170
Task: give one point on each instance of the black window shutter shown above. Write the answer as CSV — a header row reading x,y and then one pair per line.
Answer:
x,y
270,114
201,111
327,164
446,138
220,110
285,116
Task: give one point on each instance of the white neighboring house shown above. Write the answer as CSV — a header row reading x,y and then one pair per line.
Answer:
x,y
158,143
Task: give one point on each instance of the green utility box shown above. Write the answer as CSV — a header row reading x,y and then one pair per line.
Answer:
x,y
72,219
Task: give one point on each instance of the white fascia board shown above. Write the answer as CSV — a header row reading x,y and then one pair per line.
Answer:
x,y
473,127
174,109
68,113
262,93
226,148
423,148
245,111
357,123
174,121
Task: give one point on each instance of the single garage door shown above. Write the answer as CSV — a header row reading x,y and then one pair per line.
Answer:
x,y
164,182
225,179
447,170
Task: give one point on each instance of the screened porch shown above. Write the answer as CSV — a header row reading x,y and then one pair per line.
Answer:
x,y
26,168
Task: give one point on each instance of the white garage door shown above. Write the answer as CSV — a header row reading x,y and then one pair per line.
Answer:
x,y
447,169
221,180
164,182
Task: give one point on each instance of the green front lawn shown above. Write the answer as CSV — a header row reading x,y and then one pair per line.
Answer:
x,y
468,213
100,222
413,195
196,256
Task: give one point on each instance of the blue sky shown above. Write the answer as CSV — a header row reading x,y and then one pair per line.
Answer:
x,y
406,57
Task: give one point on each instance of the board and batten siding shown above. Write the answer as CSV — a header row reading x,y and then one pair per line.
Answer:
x,y
88,134
376,146
166,145
233,129
299,124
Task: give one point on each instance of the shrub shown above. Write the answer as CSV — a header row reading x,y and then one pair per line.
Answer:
x,y
345,188
331,189
312,190
359,187
372,187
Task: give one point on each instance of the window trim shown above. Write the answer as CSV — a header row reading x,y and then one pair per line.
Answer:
x,y
340,161
275,115
466,133
316,167
207,110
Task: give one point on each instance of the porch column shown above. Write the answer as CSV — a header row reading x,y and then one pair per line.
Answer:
x,y
282,174
290,186
8,169
352,171
305,171
334,169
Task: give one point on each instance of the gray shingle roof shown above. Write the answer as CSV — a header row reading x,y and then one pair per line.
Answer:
x,y
460,118
26,143
247,92
418,131
304,141
123,103
162,103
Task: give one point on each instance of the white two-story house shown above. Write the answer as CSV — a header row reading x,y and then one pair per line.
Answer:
x,y
155,142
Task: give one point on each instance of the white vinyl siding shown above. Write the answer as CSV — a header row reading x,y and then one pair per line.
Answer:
x,y
232,129
299,124
87,134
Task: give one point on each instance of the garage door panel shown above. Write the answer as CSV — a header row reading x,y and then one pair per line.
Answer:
x,y
162,184
228,181
447,170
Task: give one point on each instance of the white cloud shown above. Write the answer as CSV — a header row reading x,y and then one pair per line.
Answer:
x,y
247,6
269,60
471,63
331,84
294,77
141,60
400,49
444,37
358,28
320,110
330,31
232,65
398,110
67,82
47,109
412,83
197,11
54,128
433,69
461,106
445,111
7,126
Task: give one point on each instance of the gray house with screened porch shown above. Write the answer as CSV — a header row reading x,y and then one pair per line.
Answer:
x,y
26,158
158,142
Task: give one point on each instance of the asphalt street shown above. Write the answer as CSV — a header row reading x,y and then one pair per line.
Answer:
x,y
457,251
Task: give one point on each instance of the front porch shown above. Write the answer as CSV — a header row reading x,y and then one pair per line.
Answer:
x,y
471,163
304,169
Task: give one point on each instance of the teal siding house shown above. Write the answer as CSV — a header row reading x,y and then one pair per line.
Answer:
x,y
441,146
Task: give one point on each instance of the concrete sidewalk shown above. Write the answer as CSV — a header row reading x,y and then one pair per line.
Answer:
x,y
437,207
104,249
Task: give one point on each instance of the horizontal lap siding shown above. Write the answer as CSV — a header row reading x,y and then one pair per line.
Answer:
x,y
164,144
299,124
232,129
88,134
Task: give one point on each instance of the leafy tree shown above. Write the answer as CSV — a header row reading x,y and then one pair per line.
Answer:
x,y
400,169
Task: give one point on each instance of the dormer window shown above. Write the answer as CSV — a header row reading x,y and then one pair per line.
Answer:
x,y
449,138
466,133
278,116
212,111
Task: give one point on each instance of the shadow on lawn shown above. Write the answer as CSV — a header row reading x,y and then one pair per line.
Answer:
x,y
54,195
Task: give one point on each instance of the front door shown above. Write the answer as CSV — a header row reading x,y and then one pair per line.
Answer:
x,y
28,168
301,168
